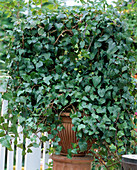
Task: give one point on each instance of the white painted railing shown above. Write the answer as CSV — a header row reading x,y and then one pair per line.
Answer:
x,y
37,160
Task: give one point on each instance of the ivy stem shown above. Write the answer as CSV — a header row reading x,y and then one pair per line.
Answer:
x,y
64,109
62,34
90,43
41,4
18,11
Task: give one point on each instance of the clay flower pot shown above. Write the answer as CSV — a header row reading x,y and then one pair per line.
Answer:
x,y
68,136
76,163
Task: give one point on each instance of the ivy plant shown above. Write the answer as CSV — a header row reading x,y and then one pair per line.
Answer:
x,y
12,9
129,15
76,58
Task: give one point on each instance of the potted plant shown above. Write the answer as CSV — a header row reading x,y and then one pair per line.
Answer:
x,y
75,62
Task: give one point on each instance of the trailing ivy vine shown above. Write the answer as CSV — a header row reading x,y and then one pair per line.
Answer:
x,y
76,58
128,10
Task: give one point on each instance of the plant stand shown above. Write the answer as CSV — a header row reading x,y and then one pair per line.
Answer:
x,y
76,163
129,162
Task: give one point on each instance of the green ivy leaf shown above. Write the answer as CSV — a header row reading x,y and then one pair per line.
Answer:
x,y
85,98
120,134
113,147
47,79
87,88
101,92
82,145
82,44
20,92
40,31
104,38
96,80
39,64
97,44
93,97
59,26
112,48
81,126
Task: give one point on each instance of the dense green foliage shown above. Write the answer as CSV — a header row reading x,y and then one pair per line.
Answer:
x,y
10,11
4,26
80,59
128,11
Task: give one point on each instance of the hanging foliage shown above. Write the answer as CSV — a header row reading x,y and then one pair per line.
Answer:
x,y
76,58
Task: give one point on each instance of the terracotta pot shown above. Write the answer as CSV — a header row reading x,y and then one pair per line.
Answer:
x,y
68,136
76,163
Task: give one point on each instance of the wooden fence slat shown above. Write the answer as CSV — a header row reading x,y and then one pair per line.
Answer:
x,y
4,107
32,160
10,154
19,150
3,83
3,149
2,157
10,157
45,155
